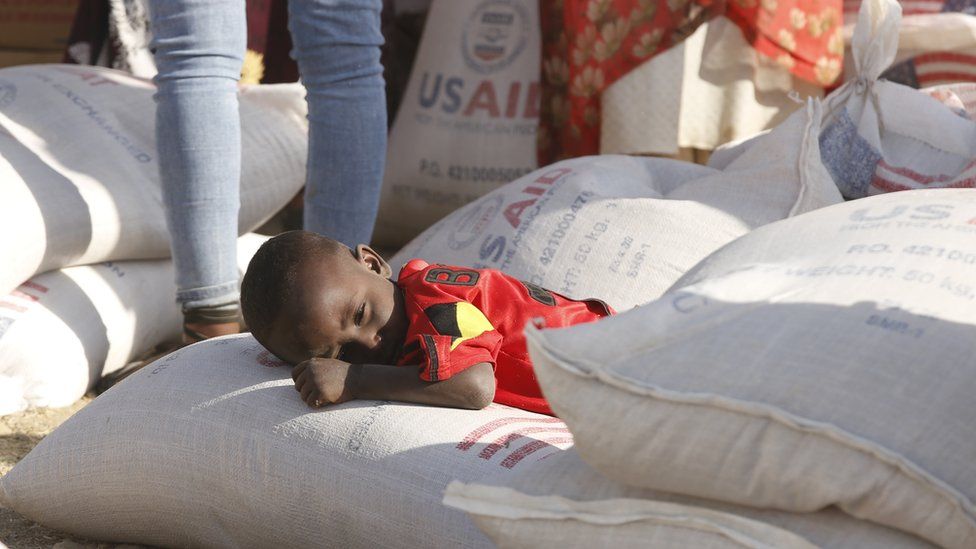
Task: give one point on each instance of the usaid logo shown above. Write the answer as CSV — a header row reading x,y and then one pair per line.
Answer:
x,y
494,35
8,93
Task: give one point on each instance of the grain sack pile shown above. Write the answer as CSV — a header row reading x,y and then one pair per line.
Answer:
x,y
878,136
622,228
562,502
62,330
821,360
80,174
468,118
210,447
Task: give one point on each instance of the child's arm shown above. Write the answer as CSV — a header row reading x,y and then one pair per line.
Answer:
x,y
324,381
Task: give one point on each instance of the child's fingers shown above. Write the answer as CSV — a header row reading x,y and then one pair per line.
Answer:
x,y
298,371
301,380
314,399
307,390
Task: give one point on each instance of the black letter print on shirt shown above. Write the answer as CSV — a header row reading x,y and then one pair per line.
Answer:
x,y
539,293
459,277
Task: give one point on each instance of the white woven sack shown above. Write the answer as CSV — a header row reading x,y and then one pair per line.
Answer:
x,y
822,360
623,229
79,169
562,502
469,115
885,137
212,447
62,330
878,136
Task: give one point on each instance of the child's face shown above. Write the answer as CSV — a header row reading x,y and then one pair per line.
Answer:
x,y
349,309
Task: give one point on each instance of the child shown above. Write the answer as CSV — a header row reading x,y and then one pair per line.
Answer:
x,y
336,313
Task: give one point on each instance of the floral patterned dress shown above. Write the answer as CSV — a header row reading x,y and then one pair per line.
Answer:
x,y
589,44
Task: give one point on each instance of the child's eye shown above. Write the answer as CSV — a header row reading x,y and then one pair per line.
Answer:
x,y
360,314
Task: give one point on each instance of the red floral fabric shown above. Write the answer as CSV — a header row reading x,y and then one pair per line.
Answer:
x,y
588,44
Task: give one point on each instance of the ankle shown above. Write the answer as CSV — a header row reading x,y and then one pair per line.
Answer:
x,y
201,323
198,331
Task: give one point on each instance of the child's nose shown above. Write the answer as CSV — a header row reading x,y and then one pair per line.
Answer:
x,y
370,338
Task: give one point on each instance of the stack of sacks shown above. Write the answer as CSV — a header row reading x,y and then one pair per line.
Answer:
x,y
562,502
80,173
937,43
212,447
62,330
623,229
706,91
469,115
878,136
824,360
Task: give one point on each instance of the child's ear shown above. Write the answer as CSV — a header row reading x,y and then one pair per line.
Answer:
x,y
373,261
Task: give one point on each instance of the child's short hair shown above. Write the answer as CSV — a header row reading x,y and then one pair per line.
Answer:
x,y
269,283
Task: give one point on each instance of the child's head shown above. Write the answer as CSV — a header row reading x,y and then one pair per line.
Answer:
x,y
305,295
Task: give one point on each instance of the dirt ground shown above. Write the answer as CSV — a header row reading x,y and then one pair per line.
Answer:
x,y
19,433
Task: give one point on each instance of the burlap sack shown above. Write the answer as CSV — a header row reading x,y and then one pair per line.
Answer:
x,y
562,502
79,169
623,229
62,330
822,360
468,118
212,447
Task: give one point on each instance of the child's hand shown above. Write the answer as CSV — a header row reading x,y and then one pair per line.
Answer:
x,y
323,381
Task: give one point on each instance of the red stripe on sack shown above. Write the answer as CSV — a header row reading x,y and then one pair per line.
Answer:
x,y
518,455
505,440
888,186
12,306
908,8
913,175
931,78
945,56
34,286
922,6
474,436
967,183
24,295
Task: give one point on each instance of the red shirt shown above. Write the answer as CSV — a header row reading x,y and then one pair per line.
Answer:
x,y
459,317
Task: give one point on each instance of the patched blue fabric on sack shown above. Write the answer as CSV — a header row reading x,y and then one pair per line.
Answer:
x,y
850,159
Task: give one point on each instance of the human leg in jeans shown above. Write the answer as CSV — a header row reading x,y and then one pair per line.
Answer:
x,y
199,49
337,47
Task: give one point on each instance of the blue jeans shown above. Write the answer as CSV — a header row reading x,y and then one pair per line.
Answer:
x,y
199,50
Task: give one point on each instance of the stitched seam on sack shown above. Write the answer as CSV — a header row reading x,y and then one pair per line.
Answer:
x,y
804,158
784,418
826,430
698,524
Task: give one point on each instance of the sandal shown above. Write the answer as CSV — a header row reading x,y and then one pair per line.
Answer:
x,y
205,322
